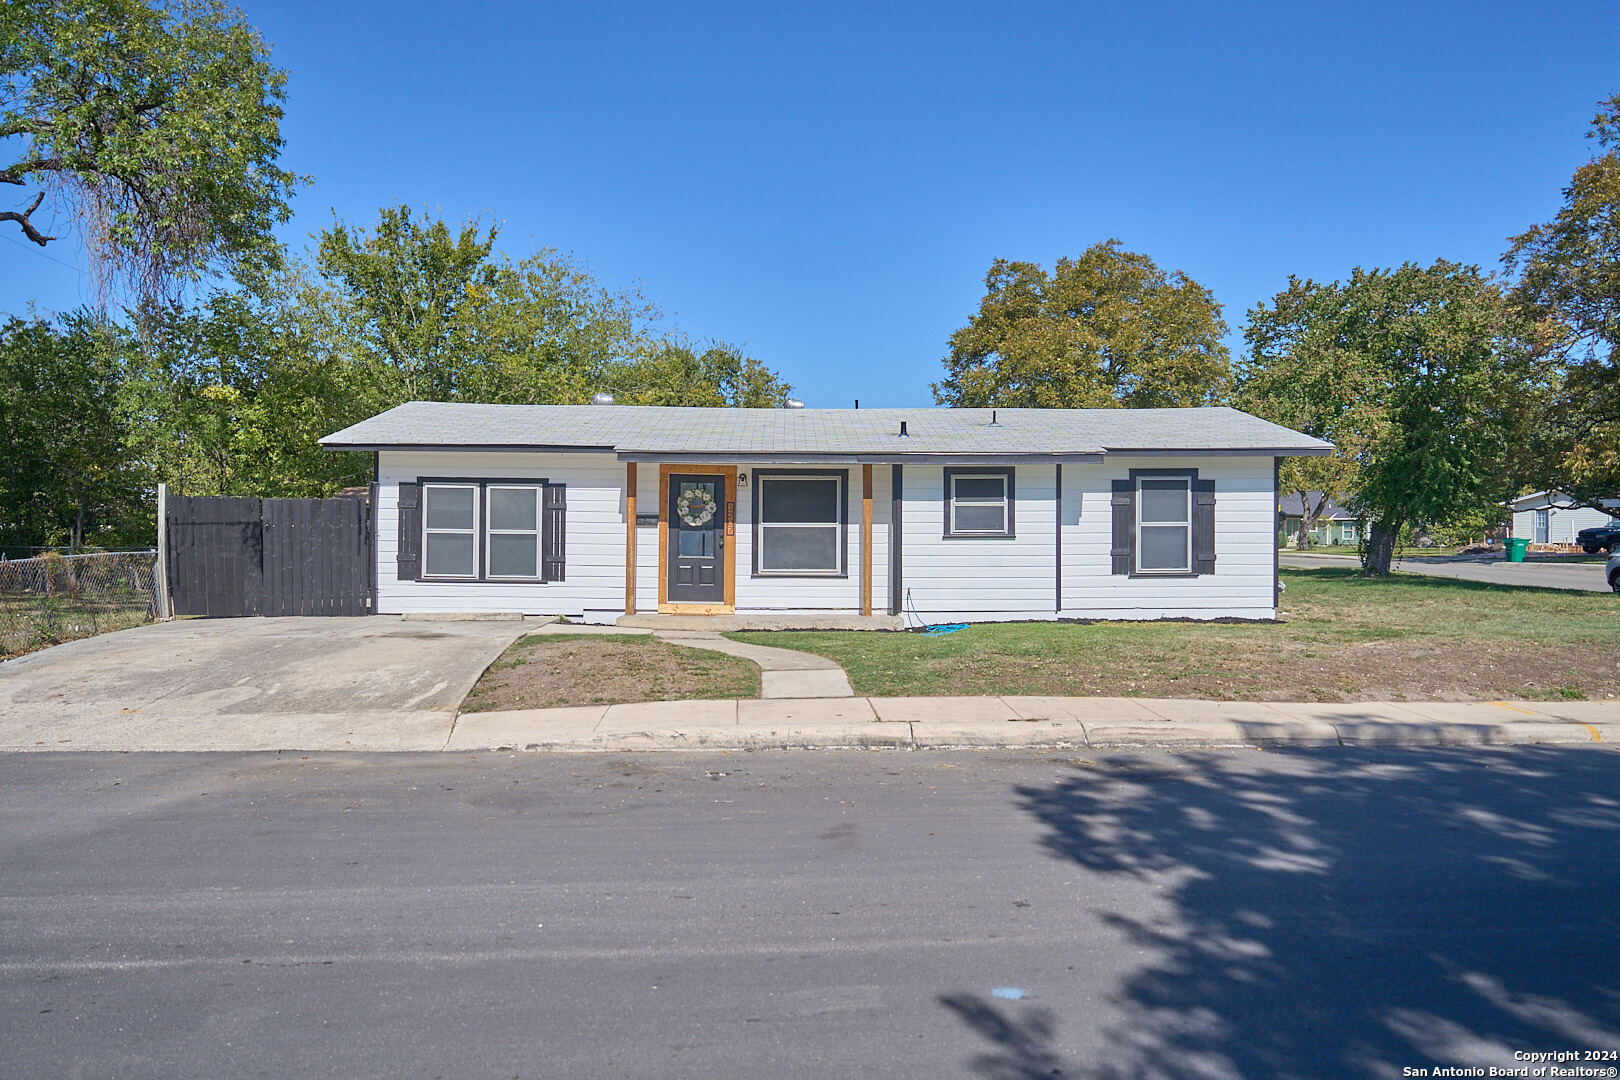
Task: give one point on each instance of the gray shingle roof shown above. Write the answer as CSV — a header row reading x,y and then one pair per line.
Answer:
x,y
641,430
1290,505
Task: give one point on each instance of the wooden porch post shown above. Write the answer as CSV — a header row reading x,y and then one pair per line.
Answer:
x,y
866,539
630,538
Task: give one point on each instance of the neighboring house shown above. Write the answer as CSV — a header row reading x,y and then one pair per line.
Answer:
x,y
1334,525
1551,517
594,511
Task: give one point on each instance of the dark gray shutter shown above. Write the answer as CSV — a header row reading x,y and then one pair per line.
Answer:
x,y
1124,504
1203,526
408,552
553,531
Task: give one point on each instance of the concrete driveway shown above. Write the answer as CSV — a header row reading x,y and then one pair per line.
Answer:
x,y
374,683
1542,574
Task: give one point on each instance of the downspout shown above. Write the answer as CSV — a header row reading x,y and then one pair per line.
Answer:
x,y
1058,533
1276,549
896,509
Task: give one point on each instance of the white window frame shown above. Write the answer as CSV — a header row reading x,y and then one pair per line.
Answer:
x,y
1181,571
427,533
836,525
1005,502
490,532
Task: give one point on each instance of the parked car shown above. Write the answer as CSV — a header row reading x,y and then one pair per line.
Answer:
x,y
1599,538
1612,569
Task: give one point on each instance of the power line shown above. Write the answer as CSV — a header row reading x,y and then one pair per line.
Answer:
x,y
41,254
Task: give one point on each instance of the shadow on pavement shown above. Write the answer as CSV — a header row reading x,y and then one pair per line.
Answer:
x,y
1343,913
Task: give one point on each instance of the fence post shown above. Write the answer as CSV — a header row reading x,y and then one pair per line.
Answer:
x,y
164,609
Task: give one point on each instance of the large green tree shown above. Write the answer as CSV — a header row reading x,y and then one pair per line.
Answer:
x,y
1107,329
1569,284
1415,374
234,392
66,477
674,372
154,125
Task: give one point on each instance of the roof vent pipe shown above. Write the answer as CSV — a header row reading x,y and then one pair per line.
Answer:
x,y
792,403
601,399
903,433
993,419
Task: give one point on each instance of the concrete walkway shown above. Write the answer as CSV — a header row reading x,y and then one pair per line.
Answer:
x,y
1032,722
783,673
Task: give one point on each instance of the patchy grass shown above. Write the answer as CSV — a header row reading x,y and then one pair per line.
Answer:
x,y
30,622
544,671
1343,637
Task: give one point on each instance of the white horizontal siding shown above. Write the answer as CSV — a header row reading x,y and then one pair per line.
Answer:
x,y
594,537
948,579
1563,522
1245,545
980,578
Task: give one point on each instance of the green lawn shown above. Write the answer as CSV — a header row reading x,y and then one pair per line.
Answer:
x,y
1343,637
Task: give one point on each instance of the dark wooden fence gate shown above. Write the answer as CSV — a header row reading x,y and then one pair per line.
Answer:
x,y
246,556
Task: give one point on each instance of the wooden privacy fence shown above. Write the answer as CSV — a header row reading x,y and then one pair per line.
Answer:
x,y
231,555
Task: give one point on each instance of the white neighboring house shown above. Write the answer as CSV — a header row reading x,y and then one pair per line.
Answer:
x,y
1551,517
599,511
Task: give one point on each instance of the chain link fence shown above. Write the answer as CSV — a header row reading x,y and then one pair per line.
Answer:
x,y
51,598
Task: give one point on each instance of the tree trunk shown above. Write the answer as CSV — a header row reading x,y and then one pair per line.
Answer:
x,y
1307,517
1380,549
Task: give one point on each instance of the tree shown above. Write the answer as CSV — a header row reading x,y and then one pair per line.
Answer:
x,y
407,286
1569,285
676,373
1107,329
65,477
233,394
1413,374
154,124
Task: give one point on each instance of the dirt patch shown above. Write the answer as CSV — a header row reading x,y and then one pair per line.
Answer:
x,y
554,671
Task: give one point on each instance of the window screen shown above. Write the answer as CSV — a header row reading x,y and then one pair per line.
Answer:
x,y
514,532
450,530
979,504
799,526
1164,526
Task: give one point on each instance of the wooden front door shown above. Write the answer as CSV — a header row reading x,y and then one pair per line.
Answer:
x,y
696,558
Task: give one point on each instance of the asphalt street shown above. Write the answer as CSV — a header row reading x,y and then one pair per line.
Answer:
x,y
1245,914
1585,576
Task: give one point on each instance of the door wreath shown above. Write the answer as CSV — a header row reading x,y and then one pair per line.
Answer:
x,y
696,507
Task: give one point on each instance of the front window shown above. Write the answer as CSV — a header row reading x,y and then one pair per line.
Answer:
x,y
799,529
450,530
1164,525
476,530
513,544
978,503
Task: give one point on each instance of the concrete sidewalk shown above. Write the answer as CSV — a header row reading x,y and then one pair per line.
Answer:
x,y
1031,722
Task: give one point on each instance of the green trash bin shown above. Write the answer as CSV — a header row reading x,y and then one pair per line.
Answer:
x,y
1516,549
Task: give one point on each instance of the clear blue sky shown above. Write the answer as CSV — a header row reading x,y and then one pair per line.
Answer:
x,y
828,184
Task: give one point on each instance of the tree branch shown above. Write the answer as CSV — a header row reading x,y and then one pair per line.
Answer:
x,y
28,226
14,174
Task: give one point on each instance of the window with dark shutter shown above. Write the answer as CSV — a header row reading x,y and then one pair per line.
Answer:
x,y
1123,552
555,526
1203,526
408,551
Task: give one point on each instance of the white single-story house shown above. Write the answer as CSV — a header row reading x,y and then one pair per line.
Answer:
x,y
1551,517
599,511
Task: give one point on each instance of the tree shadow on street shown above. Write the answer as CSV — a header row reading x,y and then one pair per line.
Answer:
x,y
1338,913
